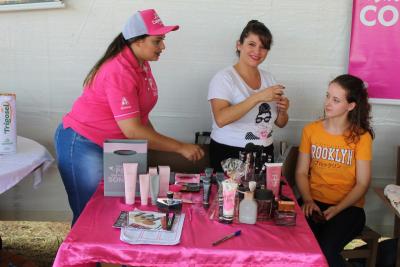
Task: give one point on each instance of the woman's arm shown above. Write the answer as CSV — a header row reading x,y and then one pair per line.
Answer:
x,y
303,184
226,113
133,129
363,179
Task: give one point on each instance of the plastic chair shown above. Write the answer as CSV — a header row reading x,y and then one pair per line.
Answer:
x,y
202,138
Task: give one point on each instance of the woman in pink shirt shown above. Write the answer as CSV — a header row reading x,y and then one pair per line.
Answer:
x,y
119,93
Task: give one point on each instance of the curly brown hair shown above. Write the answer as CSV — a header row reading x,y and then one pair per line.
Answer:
x,y
359,117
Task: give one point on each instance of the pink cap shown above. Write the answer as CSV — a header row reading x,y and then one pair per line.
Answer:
x,y
145,22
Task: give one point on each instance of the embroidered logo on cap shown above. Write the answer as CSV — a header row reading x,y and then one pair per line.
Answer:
x,y
156,20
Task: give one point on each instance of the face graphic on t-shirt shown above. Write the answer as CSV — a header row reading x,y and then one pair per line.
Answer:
x,y
262,121
264,113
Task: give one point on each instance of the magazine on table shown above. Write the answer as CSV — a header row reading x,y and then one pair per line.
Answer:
x,y
149,220
145,227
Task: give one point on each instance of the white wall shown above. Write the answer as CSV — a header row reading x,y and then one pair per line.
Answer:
x,y
45,55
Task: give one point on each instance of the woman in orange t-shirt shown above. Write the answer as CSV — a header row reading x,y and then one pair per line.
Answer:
x,y
334,166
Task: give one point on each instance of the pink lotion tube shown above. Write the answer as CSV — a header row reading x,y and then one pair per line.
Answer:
x,y
144,181
130,177
164,173
273,176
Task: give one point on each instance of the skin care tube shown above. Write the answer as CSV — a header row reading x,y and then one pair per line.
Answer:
x,y
164,173
153,171
154,188
273,176
229,191
130,177
206,191
144,180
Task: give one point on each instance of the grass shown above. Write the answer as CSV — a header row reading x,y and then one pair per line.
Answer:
x,y
36,241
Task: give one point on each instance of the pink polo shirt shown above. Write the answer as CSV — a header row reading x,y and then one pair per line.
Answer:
x,y
120,90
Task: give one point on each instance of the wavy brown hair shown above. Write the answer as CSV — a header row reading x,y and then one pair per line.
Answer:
x,y
116,46
360,116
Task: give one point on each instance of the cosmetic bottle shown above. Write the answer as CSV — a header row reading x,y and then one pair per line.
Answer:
x,y
130,177
229,188
248,206
154,188
219,176
206,191
249,170
264,198
144,183
164,173
273,178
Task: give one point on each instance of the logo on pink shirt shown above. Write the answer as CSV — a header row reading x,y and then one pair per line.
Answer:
x,y
125,104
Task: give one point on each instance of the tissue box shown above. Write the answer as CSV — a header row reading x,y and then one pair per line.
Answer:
x,y
117,152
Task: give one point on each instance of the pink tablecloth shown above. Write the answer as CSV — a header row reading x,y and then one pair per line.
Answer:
x,y
92,239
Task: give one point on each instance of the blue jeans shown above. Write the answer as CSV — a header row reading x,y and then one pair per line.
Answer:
x,y
80,162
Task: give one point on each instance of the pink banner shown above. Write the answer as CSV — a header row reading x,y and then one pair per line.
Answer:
x,y
375,46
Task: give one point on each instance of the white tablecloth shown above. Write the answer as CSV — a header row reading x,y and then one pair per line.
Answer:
x,y
31,157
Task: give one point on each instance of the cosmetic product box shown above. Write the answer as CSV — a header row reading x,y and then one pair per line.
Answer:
x,y
119,151
286,205
285,218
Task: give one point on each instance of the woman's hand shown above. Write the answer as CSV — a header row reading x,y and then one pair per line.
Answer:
x,y
309,206
331,212
272,93
191,152
282,104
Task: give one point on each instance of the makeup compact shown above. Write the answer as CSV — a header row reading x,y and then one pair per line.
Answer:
x,y
169,204
189,182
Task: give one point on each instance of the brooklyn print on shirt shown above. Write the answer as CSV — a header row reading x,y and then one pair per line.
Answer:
x,y
333,157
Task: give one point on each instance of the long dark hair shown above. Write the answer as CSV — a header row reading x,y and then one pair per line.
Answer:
x,y
359,117
259,29
116,46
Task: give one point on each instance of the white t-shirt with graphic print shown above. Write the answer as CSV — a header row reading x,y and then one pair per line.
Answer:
x,y
257,125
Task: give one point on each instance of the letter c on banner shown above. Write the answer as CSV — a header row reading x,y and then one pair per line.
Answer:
x,y
381,19
363,19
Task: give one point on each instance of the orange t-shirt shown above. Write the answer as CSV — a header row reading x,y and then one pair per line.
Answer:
x,y
333,162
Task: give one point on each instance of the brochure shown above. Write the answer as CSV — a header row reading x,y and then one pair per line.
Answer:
x,y
153,234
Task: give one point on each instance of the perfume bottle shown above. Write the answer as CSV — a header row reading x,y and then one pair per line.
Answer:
x,y
265,207
248,206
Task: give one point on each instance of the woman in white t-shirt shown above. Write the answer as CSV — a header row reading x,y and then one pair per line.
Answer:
x,y
246,101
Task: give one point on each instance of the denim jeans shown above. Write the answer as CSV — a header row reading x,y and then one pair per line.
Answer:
x,y
80,162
